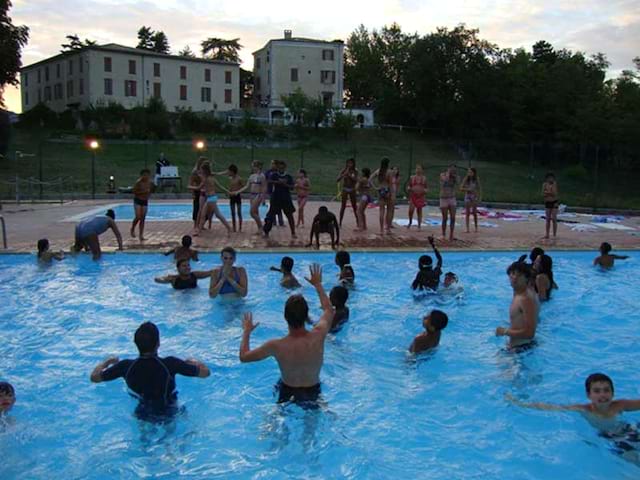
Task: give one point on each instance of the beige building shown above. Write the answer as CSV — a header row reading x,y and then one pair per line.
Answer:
x,y
130,76
285,64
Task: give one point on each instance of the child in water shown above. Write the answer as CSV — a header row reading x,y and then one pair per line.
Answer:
x,y
184,252
606,259
433,324
286,267
427,276
346,276
45,255
338,297
7,397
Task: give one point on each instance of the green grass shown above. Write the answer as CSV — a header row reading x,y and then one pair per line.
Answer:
x,y
509,178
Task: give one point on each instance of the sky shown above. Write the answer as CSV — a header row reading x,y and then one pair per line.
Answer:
x,y
591,26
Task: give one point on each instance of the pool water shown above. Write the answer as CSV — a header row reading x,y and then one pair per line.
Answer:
x,y
441,415
168,212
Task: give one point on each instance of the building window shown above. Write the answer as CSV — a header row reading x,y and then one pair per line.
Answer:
x,y
108,86
205,94
46,73
39,76
294,74
207,74
183,92
57,91
257,62
80,64
328,76
80,87
132,67
39,96
156,69
183,72
47,93
25,79
57,70
157,90
257,83
327,98
70,89
26,98
228,76
130,88
327,54
227,95
70,67
107,64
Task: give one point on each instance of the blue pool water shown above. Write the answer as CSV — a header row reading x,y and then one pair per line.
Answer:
x,y
442,415
159,212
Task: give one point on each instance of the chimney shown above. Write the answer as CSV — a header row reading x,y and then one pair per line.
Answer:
x,y
287,34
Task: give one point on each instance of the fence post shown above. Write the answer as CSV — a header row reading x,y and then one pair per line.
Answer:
x,y
17,190
40,175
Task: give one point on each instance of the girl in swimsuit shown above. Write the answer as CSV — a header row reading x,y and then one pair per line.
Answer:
x,y
211,203
471,188
550,194
302,186
394,186
382,182
417,188
227,279
448,184
257,186
364,195
349,177
185,279
543,282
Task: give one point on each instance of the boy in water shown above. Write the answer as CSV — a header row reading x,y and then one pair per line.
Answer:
x,y
235,199
450,279
433,323
45,255
338,297
427,276
183,252
325,222
606,259
7,397
346,276
288,278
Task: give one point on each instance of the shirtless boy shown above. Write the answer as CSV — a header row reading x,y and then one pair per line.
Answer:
x,y
607,259
325,222
433,324
184,251
288,278
235,199
141,193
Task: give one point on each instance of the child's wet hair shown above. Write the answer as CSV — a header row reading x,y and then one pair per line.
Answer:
x,y
520,267
181,261
439,319
597,377
323,210
286,264
451,275
186,241
605,247
296,311
338,296
425,261
111,213
343,258
43,245
535,253
366,172
7,389
233,168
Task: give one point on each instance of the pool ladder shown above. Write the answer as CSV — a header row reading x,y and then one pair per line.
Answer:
x,y
4,232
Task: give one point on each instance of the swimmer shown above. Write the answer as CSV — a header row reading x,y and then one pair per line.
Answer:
x,y
151,379
427,276
346,276
185,279
7,397
543,281
338,297
433,323
88,231
228,280
606,259
325,222
45,255
184,251
523,312
535,252
450,279
300,353
288,278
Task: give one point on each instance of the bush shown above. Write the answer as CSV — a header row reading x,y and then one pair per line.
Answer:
x,y
250,127
39,116
576,172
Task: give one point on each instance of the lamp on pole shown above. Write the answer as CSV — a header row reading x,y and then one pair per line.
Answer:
x,y
93,146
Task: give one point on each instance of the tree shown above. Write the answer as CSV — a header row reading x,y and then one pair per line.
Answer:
x,y
246,85
12,39
187,52
75,43
220,49
145,38
315,112
343,124
160,42
296,103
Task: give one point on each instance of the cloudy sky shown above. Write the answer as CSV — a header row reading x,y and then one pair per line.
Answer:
x,y
591,26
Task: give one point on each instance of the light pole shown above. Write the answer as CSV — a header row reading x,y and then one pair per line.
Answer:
x,y
200,146
93,145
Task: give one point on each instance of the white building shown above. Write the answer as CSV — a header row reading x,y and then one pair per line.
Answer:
x,y
130,76
286,64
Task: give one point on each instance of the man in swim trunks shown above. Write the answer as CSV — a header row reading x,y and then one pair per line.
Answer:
x,y
88,231
523,312
141,193
301,352
325,222
150,379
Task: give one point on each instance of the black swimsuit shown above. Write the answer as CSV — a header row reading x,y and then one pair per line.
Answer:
x,y
185,283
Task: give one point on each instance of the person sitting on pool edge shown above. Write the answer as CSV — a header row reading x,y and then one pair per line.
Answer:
x,y
45,255
427,276
325,222
185,279
338,297
228,280
523,312
150,378
7,397
288,278
184,251
88,231
607,259
301,352
433,324
346,276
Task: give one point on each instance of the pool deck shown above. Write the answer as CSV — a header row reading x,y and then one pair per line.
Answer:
x,y
27,222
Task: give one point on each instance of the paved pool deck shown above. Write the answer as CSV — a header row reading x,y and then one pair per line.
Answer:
x,y
28,222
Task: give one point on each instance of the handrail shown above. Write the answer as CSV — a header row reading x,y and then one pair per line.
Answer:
x,y
4,232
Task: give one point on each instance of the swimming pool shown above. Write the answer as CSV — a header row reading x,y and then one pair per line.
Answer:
x,y
164,212
388,415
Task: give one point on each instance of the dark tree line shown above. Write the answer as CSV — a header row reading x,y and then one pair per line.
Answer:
x,y
454,81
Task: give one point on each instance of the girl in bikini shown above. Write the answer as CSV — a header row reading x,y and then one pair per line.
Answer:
x,y
349,178
382,183
417,188
257,185
394,187
211,203
302,187
364,194
471,188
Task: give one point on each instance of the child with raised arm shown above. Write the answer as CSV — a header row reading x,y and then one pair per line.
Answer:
x,y
235,199
427,276
286,268
433,324
607,259
45,255
184,251
302,187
